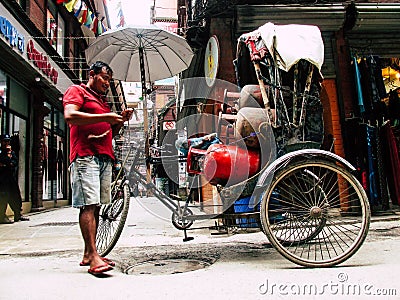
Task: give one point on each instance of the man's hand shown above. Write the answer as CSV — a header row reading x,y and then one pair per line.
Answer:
x,y
127,114
113,118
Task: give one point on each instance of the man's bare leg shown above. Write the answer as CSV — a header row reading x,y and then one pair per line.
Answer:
x,y
88,224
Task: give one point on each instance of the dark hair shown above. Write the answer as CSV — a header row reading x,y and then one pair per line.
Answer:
x,y
98,66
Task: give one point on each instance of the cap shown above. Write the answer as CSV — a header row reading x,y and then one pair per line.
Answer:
x,y
4,137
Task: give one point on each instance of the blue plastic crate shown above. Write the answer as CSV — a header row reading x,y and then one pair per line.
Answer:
x,y
242,206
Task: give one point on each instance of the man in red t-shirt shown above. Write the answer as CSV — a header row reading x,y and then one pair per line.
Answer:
x,y
92,127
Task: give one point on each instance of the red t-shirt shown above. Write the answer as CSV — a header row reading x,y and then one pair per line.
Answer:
x,y
80,143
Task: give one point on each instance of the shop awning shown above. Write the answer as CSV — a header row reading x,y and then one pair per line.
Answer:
x,y
326,17
376,29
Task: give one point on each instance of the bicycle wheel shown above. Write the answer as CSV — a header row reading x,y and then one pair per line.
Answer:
x,y
112,220
179,222
307,228
315,213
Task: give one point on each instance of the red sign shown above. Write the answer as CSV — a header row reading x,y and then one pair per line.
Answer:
x,y
169,125
42,62
168,26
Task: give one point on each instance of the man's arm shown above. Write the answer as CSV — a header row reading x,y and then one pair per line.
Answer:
x,y
74,116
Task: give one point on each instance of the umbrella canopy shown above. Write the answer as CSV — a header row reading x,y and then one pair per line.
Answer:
x,y
141,54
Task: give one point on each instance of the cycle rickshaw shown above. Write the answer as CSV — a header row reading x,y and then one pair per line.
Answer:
x,y
307,201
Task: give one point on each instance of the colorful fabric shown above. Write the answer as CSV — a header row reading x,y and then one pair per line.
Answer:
x,y
360,99
70,5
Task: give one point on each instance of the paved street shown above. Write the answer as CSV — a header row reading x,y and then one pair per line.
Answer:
x,y
39,260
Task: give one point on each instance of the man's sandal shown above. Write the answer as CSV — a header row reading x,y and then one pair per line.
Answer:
x,y
98,270
105,259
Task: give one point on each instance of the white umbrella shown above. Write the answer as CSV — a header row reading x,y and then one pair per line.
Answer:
x,y
141,54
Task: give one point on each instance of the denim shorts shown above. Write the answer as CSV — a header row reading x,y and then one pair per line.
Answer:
x,y
91,180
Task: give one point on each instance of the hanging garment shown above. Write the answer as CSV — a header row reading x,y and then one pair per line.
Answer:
x,y
391,162
380,84
382,180
372,163
357,75
372,67
355,144
366,88
394,107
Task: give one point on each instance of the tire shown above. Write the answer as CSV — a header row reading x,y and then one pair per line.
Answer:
x,y
178,222
315,213
112,220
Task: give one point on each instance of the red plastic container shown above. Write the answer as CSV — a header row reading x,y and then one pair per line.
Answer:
x,y
229,164
194,160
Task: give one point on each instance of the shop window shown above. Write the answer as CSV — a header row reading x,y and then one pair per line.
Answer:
x,y
54,159
22,3
18,98
3,98
60,35
55,28
18,133
51,29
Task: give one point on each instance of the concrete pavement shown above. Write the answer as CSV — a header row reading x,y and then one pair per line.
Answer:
x,y
57,229
39,260
148,223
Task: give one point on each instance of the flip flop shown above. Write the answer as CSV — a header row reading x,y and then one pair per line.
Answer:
x,y
105,259
98,270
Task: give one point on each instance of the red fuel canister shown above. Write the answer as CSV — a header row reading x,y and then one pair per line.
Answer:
x,y
230,164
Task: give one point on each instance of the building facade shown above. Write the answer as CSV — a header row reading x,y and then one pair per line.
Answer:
x,y
42,45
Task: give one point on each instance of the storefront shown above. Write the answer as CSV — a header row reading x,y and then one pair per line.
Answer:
x,y
31,86
371,105
14,118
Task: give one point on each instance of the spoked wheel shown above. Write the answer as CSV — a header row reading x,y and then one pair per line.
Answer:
x,y
112,220
179,222
307,227
315,213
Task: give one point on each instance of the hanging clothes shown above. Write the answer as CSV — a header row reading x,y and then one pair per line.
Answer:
x,y
391,162
357,75
394,107
377,72
355,140
382,179
366,88
372,165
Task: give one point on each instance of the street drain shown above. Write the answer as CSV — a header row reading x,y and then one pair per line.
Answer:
x,y
166,266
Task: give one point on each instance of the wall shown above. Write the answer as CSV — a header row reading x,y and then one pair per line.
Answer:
x,y
37,14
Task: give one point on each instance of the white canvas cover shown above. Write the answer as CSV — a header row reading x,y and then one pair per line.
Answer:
x,y
290,43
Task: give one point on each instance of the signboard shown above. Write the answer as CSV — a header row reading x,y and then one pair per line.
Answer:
x,y
168,26
168,125
211,60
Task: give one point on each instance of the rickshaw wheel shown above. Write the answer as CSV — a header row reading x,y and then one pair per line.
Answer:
x,y
315,213
179,222
112,220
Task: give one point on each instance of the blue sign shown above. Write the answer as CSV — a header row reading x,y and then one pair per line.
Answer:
x,y
11,34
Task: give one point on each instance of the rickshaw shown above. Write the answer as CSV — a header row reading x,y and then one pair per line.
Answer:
x,y
307,201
